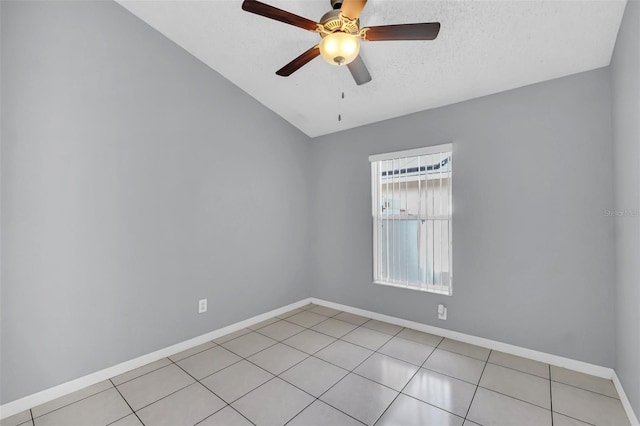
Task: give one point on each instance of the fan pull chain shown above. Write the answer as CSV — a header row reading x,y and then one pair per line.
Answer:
x,y
340,115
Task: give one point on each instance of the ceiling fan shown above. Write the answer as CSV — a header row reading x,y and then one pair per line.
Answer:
x,y
340,31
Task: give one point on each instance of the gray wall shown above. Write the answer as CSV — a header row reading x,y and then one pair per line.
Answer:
x,y
533,257
135,181
625,69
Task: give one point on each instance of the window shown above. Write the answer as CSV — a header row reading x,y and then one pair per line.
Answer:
x,y
411,196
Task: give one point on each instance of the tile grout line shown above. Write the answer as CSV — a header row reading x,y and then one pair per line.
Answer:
x,y
201,384
160,399
586,390
245,358
317,398
342,368
269,372
519,371
291,384
352,371
513,397
262,368
66,405
222,369
229,406
406,384
193,354
477,386
486,361
144,374
198,381
550,396
128,405
167,395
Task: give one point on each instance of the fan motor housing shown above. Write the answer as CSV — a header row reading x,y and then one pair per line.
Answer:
x,y
332,21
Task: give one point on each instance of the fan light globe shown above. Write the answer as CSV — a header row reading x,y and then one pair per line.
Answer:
x,y
339,48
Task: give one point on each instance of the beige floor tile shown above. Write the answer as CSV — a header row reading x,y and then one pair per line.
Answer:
x,y
388,371
351,318
192,351
409,411
420,337
382,327
17,419
562,420
407,350
236,380
231,336
208,362
129,375
462,348
274,403
360,398
455,365
264,323
519,363
309,341
527,387
281,330
334,327
314,375
278,358
41,410
321,414
307,319
226,417
587,406
249,344
185,407
344,354
130,420
583,381
99,409
290,313
326,311
445,392
151,387
367,338
492,408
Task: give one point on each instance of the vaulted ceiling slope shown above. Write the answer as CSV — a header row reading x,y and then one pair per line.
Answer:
x,y
483,47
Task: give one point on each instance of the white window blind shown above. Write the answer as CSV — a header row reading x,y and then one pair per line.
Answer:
x,y
411,194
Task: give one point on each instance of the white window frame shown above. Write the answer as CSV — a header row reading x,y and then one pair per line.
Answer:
x,y
443,288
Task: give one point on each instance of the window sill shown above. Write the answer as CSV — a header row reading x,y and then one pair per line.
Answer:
x,y
424,290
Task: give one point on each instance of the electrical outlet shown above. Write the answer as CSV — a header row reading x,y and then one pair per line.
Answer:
x,y
202,306
442,312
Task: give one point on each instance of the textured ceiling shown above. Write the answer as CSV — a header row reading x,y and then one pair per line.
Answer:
x,y
484,47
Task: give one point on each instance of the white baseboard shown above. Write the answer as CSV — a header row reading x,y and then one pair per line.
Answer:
x,y
583,367
30,401
625,401
572,364
19,405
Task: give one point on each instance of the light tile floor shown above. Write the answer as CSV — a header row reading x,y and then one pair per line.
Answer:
x,y
320,366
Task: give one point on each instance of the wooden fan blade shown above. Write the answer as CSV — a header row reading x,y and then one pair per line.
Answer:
x,y
359,71
299,62
424,31
271,12
352,8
